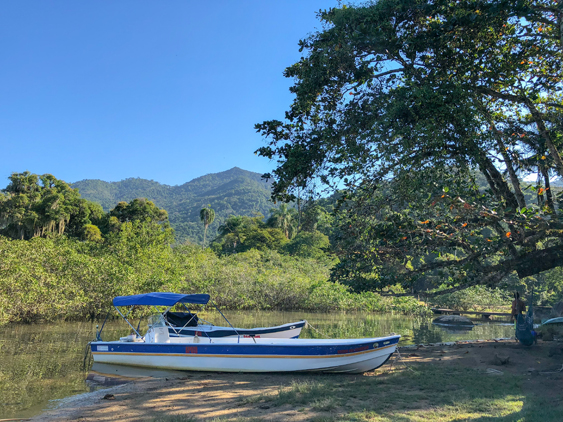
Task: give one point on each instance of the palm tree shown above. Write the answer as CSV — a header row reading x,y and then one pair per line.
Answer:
x,y
206,215
283,218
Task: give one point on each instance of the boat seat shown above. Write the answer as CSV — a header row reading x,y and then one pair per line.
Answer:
x,y
161,335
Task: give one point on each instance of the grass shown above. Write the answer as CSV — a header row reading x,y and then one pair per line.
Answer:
x,y
419,394
174,418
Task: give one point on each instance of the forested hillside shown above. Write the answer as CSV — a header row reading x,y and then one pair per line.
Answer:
x,y
232,192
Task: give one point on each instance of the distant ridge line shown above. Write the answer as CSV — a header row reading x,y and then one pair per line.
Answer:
x,y
231,192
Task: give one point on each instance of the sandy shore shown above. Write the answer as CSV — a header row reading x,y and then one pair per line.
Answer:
x,y
227,396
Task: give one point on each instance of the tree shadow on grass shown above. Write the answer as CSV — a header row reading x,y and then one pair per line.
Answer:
x,y
419,393
423,391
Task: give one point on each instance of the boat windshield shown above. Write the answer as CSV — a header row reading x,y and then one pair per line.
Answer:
x,y
156,320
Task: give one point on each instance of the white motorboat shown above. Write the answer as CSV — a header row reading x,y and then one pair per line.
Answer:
x,y
157,349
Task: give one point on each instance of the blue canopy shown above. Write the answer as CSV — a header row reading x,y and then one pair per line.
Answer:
x,y
162,299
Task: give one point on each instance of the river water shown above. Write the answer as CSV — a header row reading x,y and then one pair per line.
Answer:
x,y
43,363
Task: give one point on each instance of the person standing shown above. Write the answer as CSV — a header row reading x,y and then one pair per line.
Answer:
x,y
518,307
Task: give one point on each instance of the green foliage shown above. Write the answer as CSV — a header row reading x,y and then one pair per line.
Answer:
x,y
35,206
207,215
331,296
140,219
309,245
395,102
66,278
87,213
54,278
241,233
317,218
284,218
92,233
410,306
474,298
264,239
139,209
547,286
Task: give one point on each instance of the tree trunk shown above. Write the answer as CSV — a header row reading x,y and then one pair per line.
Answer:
x,y
507,160
540,260
544,133
497,183
512,173
548,195
299,209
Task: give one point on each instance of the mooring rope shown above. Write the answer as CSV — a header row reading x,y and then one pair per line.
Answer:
x,y
87,358
399,359
322,334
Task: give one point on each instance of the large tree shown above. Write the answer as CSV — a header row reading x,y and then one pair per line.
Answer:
x,y
405,103
34,206
140,219
140,209
242,233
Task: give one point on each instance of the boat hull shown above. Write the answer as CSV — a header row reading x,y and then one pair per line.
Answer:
x,y
273,355
291,330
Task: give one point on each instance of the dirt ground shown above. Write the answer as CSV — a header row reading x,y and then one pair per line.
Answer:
x,y
227,396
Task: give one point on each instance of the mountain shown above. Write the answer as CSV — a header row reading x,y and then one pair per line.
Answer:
x,y
232,192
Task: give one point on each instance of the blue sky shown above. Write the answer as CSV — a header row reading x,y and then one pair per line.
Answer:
x,y
166,90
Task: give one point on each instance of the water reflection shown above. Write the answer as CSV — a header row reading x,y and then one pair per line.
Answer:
x,y
455,329
44,362
41,362
426,333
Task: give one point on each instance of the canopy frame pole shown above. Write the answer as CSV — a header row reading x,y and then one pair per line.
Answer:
x,y
194,315
190,312
99,333
228,322
166,323
127,321
130,310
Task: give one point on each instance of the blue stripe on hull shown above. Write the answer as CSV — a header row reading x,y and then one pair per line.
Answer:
x,y
239,349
